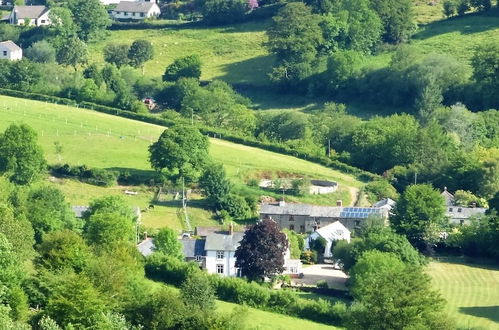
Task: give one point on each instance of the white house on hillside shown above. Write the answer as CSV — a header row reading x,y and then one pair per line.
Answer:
x,y
220,249
10,51
30,15
332,232
132,10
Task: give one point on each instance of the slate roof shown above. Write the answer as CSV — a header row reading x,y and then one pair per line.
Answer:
x,y
134,7
320,211
32,12
193,247
146,247
387,202
449,198
204,231
223,241
10,45
457,212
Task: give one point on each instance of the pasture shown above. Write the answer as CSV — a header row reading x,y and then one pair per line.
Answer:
x,y
104,141
471,291
233,53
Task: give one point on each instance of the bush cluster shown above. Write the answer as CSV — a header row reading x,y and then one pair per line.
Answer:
x,y
95,176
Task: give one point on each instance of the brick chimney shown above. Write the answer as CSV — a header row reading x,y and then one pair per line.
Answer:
x,y
339,203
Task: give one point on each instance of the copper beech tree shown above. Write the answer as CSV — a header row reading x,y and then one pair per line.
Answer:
x,y
261,251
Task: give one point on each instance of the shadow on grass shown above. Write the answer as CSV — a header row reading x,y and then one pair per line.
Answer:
x,y
147,174
253,71
196,203
470,262
488,312
468,24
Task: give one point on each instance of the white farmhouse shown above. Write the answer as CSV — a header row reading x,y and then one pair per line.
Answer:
x,y
30,15
10,51
131,10
332,232
220,249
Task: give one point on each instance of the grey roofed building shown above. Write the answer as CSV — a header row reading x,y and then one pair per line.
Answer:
x,y
134,7
31,12
193,247
221,241
10,45
203,231
463,215
448,197
146,247
307,218
385,203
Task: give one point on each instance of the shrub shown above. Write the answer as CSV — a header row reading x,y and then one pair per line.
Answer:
x,y
309,257
183,67
322,284
169,270
95,176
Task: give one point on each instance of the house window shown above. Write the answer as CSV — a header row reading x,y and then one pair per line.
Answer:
x,y
220,269
125,13
141,14
357,222
461,222
459,209
450,209
291,218
291,227
43,21
4,53
199,258
302,228
220,255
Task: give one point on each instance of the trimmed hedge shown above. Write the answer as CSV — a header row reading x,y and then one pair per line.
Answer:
x,y
237,290
222,134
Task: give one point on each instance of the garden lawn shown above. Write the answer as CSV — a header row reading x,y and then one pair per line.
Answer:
x,y
471,291
262,320
233,53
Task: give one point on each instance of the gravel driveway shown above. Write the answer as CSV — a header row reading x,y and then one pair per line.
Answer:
x,y
312,274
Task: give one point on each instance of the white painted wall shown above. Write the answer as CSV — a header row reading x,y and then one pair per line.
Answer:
x,y
153,12
10,55
228,261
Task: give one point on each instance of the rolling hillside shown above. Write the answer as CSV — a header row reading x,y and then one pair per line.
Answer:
x,y
104,141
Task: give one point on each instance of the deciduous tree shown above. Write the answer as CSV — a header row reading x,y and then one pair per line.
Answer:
x,y
166,241
21,158
420,215
183,67
261,251
140,52
182,150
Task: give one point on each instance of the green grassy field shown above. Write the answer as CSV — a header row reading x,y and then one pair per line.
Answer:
x,y
261,320
471,291
105,141
235,54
